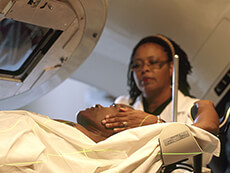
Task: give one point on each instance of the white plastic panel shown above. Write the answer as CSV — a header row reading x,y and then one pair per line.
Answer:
x,y
211,62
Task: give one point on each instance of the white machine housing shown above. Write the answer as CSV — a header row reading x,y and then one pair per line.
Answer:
x,y
76,26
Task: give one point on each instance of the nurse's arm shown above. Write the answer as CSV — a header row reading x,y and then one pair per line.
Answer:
x,y
207,117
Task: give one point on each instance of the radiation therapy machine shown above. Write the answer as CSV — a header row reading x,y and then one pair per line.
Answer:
x,y
41,43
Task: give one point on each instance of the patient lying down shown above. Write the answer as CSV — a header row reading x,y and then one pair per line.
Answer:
x,y
34,143
89,120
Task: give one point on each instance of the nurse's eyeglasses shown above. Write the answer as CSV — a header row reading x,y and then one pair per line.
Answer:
x,y
139,64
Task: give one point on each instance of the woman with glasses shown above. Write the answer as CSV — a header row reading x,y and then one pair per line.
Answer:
x,y
149,80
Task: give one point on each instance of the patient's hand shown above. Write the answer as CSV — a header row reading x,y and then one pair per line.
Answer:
x,y
128,118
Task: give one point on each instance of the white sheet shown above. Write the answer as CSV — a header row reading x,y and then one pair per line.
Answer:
x,y
34,143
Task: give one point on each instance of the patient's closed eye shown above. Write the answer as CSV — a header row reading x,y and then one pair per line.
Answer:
x,y
114,105
97,106
118,106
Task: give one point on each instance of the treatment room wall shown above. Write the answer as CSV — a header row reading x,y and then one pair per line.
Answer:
x,y
68,99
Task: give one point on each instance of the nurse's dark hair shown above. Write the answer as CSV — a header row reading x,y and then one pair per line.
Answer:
x,y
170,47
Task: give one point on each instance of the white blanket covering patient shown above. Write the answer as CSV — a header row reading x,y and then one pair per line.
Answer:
x,y
35,143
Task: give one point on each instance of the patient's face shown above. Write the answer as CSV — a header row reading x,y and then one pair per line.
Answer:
x,y
92,117
100,112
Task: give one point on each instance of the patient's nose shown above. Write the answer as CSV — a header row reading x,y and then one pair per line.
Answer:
x,y
98,106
